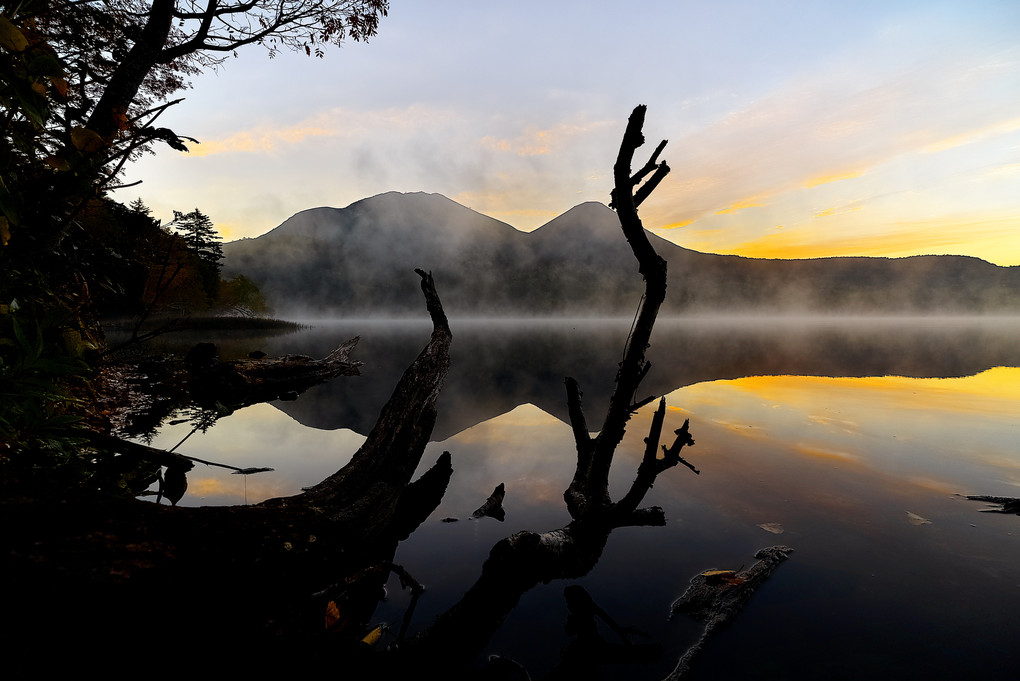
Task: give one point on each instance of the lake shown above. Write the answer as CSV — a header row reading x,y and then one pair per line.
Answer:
x,y
852,441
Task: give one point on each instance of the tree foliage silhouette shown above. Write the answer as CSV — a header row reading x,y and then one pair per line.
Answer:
x,y
82,86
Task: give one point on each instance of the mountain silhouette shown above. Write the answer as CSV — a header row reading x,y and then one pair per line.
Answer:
x,y
359,261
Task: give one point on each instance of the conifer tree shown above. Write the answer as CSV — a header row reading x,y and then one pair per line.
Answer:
x,y
197,231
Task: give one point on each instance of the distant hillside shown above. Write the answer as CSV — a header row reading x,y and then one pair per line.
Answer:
x,y
360,260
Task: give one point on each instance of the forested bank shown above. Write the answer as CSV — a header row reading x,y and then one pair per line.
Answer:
x,y
83,86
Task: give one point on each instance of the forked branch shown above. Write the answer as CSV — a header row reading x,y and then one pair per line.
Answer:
x,y
589,489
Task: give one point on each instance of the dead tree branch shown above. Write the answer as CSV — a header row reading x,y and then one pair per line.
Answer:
x,y
589,490
525,559
368,489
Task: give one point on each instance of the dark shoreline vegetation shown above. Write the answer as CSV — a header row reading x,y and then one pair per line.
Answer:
x,y
211,323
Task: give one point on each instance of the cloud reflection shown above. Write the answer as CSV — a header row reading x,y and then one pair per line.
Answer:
x,y
950,432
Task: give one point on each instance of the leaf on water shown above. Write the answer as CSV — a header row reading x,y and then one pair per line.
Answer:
x,y
774,528
915,519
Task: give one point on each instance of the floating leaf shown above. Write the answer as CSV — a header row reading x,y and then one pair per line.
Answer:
x,y
915,519
718,573
373,636
774,528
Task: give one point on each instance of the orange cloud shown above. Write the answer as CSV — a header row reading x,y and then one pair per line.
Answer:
x,y
753,202
1002,127
826,179
259,140
835,210
677,225
535,142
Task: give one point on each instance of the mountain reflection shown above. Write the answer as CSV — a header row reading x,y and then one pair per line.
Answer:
x,y
498,365
854,441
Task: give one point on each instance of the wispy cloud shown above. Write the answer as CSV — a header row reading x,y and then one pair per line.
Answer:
x,y
975,135
539,142
839,210
258,140
741,205
827,179
813,132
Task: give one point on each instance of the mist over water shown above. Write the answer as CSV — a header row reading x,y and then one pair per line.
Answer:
x,y
360,260
500,363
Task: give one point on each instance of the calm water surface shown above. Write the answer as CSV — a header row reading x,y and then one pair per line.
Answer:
x,y
850,441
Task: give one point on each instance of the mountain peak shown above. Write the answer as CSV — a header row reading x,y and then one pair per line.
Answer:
x,y
360,259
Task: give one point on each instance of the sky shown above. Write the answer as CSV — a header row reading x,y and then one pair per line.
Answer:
x,y
796,129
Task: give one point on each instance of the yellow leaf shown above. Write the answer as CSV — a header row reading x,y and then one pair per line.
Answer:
x,y
58,163
86,140
373,636
5,231
11,36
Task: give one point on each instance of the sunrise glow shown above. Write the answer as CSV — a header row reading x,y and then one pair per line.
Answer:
x,y
890,130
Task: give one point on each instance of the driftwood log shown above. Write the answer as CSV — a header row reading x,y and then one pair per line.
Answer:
x,y
242,382
715,597
206,386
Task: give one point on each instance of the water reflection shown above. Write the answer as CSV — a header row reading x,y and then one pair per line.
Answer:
x,y
842,462
497,366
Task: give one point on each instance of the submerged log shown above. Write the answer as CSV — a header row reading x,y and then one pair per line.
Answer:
x,y
1004,504
238,383
715,597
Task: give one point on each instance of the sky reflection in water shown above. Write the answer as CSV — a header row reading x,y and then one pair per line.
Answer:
x,y
893,573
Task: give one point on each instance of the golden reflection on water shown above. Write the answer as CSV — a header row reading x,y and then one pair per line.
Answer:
x,y
951,434
259,436
943,431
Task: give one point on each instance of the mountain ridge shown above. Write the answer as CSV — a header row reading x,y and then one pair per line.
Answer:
x,y
360,260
